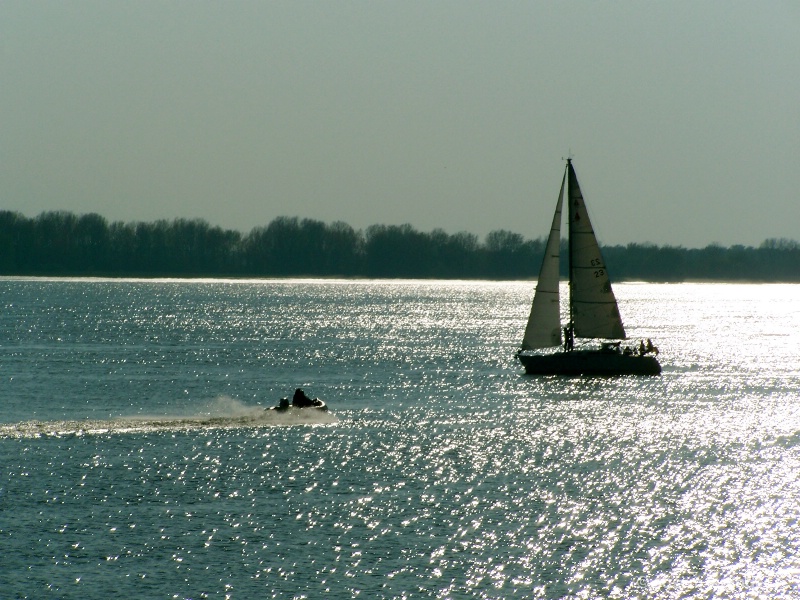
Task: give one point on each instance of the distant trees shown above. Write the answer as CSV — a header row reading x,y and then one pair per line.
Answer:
x,y
65,244
289,246
506,251
774,260
61,243
648,262
779,259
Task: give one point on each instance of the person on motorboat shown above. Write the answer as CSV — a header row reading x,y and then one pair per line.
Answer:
x,y
300,400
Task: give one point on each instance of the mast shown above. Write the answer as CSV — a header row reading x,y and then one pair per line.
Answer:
x,y
570,237
570,252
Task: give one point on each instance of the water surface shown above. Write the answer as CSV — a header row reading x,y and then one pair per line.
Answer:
x,y
136,457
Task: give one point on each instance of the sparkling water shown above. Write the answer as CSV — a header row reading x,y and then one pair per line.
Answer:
x,y
137,460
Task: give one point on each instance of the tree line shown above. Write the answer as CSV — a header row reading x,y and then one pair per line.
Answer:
x,y
60,243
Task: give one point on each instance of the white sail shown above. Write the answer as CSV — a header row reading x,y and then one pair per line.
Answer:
x,y
594,310
544,323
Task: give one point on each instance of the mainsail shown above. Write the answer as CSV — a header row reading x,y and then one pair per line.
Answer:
x,y
544,323
593,307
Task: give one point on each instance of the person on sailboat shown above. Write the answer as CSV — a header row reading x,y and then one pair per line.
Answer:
x,y
569,338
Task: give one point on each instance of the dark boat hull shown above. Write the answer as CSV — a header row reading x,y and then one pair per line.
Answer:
x,y
315,405
589,362
298,409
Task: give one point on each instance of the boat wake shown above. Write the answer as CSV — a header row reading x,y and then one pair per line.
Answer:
x,y
223,413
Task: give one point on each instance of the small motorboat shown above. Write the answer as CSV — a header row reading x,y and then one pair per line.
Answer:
x,y
300,402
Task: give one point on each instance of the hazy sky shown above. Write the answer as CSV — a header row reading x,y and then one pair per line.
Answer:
x,y
683,117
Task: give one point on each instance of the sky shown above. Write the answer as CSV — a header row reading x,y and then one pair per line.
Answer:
x,y
682,118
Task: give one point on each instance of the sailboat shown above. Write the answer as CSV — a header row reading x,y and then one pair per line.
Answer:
x,y
593,310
